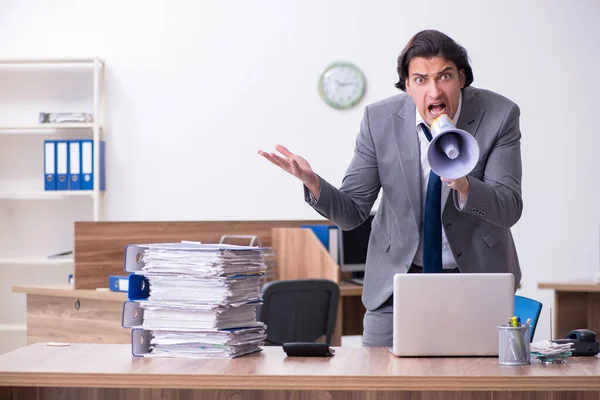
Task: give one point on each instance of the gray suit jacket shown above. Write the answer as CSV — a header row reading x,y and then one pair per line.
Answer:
x,y
387,156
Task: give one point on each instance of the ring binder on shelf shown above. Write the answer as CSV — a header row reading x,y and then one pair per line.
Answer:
x,y
87,165
74,165
62,165
49,165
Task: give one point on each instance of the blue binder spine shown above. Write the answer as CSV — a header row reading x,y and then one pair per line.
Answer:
x,y
49,165
62,165
102,167
118,283
74,165
139,287
87,164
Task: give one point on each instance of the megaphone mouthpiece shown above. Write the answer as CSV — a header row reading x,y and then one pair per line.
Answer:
x,y
449,144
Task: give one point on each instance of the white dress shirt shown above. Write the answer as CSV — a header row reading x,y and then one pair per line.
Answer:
x,y
448,261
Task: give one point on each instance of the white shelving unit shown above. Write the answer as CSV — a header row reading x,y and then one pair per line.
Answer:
x,y
16,260
43,129
35,223
43,195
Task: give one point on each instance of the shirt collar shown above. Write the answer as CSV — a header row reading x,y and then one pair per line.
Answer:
x,y
455,120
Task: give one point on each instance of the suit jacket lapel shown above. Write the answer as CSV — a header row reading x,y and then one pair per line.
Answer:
x,y
407,144
470,114
468,120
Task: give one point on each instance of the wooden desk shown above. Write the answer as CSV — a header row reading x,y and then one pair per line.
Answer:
x,y
576,306
97,371
60,313
53,314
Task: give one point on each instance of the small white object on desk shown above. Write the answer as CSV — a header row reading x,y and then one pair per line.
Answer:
x,y
57,344
597,277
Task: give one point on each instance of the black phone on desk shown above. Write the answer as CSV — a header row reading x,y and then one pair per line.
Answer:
x,y
307,349
584,342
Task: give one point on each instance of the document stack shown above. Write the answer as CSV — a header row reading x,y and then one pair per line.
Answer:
x,y
194,300
552,353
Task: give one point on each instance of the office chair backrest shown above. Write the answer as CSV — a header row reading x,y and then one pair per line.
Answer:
x,y
301,310
528,308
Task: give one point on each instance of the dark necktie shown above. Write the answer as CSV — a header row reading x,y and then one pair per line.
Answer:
x,y
432,224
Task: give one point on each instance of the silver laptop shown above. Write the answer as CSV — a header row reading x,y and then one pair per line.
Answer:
x,y
450,314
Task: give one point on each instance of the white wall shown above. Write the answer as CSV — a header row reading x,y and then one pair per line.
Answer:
x,y
195,88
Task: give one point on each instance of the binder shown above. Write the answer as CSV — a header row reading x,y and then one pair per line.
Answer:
x,y
134,252
140,342
133,315
49,165
74,165
102,179
118,283
62,165
87,165
138,287
138,299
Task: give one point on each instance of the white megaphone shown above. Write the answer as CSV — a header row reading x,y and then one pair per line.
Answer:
x,y
452,153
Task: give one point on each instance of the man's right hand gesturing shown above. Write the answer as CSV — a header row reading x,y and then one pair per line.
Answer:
x,y
295,165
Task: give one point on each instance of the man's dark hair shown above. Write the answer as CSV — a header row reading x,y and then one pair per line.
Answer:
x,y
432,43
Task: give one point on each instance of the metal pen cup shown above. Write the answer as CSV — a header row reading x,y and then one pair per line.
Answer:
x,y
513,345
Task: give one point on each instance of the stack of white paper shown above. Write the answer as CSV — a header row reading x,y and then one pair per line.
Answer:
x,y
230,343
203,300
546,349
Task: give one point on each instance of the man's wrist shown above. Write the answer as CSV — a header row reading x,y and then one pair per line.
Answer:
x,y
465,192
314,186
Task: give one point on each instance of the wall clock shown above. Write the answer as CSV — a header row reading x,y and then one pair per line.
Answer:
x,y
342,85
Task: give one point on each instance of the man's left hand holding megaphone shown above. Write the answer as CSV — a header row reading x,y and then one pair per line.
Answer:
x,y
452,154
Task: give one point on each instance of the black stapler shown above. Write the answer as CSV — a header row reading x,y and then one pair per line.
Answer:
x,y
584,342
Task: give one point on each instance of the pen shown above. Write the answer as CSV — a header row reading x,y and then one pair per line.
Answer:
x,y
515,322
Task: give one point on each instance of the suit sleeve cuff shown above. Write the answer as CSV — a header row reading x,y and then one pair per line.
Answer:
x,y
311,199
477,202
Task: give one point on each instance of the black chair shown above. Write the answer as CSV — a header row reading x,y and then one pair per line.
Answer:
x,y
301,310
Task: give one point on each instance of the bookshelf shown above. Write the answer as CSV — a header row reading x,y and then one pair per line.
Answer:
x,y
16,260
43,195
35,222
41,129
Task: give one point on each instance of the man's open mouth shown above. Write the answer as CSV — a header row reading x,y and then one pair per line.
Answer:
x,y
437,109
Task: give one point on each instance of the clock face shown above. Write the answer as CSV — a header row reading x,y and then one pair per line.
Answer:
x,y
342,85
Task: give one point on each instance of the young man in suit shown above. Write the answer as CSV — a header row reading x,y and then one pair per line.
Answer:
x,y
425,223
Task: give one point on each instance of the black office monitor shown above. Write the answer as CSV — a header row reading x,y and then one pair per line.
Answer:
x,y
353,247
